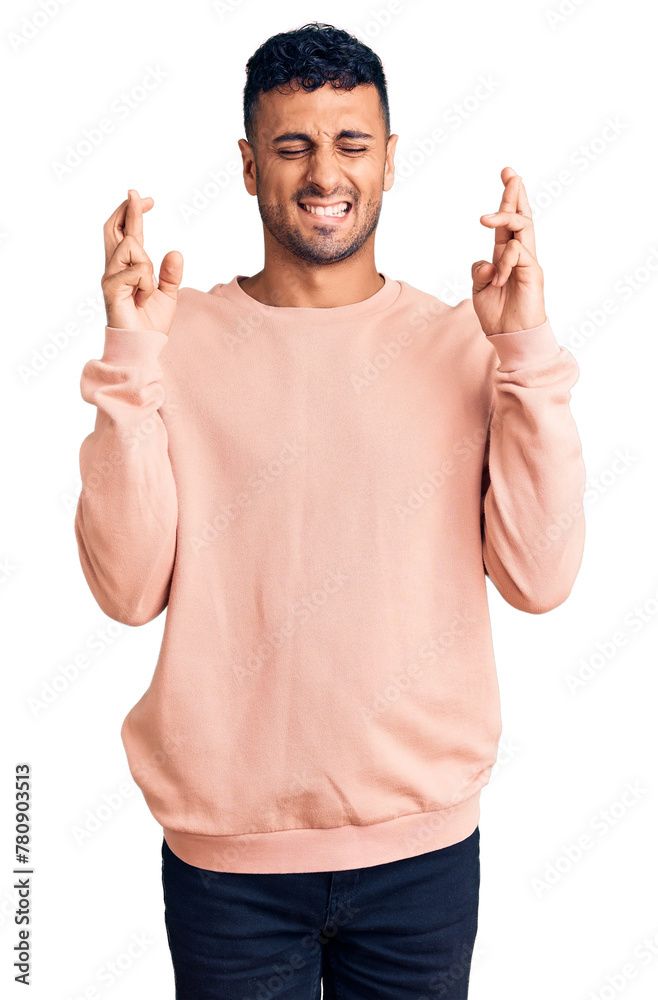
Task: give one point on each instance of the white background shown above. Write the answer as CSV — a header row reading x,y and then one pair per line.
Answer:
x,y
566,758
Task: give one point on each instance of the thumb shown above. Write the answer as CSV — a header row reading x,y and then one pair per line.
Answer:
x,y
482,272
171,272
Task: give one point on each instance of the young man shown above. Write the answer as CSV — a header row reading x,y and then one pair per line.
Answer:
x,y
313,469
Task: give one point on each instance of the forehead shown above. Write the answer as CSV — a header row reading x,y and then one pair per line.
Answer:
x,y
321,112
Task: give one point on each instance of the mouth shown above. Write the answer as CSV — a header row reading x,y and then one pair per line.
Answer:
x,y
325,215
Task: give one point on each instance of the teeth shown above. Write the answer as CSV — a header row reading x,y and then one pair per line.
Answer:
x,y
320,210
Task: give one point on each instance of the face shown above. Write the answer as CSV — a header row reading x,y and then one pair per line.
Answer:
x,y
303,152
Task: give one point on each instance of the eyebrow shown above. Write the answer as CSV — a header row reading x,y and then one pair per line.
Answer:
x,y
303,137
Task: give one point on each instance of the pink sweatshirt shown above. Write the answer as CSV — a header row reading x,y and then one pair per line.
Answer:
x,y
315,495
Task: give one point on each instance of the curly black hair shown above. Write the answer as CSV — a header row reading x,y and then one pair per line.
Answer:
x,y
312,55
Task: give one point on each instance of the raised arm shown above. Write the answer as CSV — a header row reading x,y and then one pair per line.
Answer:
x,y
127,513
533,480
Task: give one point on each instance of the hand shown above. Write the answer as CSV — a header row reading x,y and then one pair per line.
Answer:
x,y
508,294
133,301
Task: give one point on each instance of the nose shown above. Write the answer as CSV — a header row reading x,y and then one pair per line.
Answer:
x,y
323,170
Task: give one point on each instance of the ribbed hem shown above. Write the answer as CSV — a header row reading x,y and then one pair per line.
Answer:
x,y
336,849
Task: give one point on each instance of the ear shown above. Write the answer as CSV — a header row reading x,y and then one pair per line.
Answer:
x,y
389,169
248,165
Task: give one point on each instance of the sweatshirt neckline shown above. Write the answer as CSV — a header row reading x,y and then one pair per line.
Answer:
x,y
382,299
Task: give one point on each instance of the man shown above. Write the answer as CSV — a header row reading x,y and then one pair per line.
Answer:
x,y
314,468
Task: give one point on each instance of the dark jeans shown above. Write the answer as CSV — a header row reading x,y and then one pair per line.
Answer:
x,y
393,931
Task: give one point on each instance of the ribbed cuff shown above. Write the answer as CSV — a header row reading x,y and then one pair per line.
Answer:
x,y
525,348
124,346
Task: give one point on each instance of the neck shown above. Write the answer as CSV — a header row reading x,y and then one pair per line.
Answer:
x,y
293,282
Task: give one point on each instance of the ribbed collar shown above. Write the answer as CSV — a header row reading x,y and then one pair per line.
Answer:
x,y
382,299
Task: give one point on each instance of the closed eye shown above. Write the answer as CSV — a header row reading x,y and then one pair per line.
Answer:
x,y
343,149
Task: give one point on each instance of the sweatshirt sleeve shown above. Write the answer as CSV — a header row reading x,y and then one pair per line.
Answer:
x,y
127,512
533,482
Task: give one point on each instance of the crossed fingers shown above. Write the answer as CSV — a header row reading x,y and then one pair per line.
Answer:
x,y
513,220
